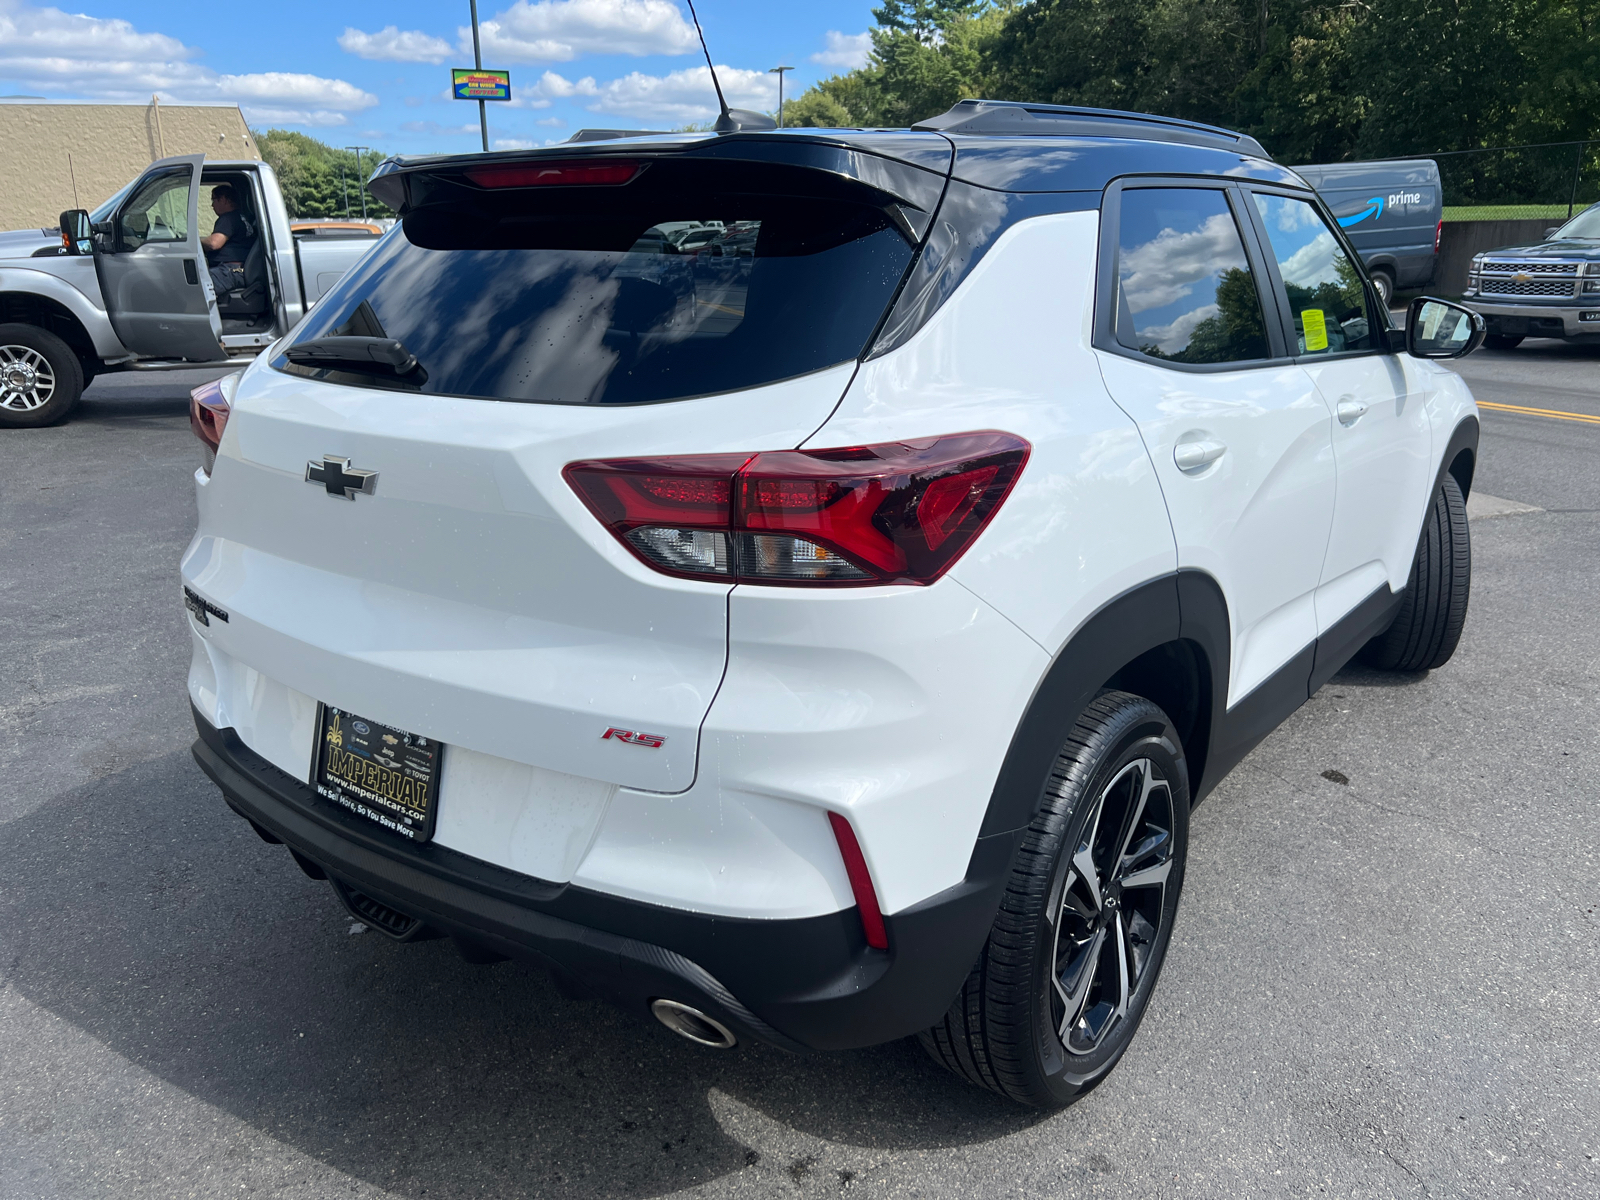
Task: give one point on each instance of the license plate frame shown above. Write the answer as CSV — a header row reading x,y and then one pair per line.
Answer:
x,y
385,774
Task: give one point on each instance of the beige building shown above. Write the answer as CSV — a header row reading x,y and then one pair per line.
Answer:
x,y
56,155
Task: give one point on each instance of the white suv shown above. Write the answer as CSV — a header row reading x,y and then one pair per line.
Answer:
x,y
818,634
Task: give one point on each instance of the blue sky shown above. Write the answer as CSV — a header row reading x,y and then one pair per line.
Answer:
x,y
380,74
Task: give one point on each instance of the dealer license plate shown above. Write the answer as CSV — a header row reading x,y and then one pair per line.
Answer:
x,y
385,774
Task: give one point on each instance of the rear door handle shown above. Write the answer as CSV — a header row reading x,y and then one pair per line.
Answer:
x,y
1351,410
1197,455
189,271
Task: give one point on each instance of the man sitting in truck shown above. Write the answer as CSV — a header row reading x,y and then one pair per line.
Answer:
x,y
229,241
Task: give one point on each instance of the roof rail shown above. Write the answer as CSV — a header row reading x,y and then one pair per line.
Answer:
x,y
1017,117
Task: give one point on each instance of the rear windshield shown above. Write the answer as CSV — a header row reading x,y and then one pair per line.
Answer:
x,y
620,295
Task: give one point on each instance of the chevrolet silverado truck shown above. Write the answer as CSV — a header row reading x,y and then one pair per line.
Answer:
x,y
126,287
1549,290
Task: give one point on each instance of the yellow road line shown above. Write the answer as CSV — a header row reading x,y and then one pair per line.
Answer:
x,y
1584,418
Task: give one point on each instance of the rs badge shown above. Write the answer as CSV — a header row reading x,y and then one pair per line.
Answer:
x,y
650,741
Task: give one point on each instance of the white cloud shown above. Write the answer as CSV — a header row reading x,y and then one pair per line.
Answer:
x,y
551,121
847,51
391,44
433,127
685,95
1174,337
1313,263
1166,268
560,30
554,87
93,58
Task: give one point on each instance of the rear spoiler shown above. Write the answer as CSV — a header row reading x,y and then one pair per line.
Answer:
x,y
908,171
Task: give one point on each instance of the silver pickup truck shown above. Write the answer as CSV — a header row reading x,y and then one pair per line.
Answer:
x,y
126,287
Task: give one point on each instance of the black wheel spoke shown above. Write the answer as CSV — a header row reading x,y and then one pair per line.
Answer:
x,y
1111,905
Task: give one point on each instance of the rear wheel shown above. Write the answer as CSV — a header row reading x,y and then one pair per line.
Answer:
x,y
1383,285
1428,627
40,377
1083,927
1502,341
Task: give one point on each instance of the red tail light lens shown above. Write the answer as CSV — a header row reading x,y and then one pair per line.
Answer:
x,y
208,416
855,866
900,512
1438,234
555,174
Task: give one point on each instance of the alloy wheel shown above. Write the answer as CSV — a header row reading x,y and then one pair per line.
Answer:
x,y
27,381
1113,903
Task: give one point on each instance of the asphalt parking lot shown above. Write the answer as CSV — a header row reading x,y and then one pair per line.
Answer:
x,y
1383,987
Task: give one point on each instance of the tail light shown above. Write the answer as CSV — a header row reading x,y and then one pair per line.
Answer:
x,y
900,512
1438,234
855,866
208,416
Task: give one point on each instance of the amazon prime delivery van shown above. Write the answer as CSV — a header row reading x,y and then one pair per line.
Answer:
x,y
1391,211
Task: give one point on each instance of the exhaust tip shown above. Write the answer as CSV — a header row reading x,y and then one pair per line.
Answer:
x,y
693,1024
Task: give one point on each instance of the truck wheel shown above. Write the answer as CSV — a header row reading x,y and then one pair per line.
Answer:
x,y
40,377
1427,629
1383,285
1502,341
1072,958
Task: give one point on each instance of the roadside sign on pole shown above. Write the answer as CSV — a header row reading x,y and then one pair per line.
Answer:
x,y
470,83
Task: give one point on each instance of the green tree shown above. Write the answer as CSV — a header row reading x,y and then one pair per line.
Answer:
x,y
309,174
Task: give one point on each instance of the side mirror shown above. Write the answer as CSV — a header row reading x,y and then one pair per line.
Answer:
x,y
75,234
1551,232
1440,329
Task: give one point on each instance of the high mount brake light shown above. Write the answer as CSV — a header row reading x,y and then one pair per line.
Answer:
x,y
899,512
589,172
208,416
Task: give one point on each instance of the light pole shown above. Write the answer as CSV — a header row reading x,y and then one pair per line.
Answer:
x,y
778,71
477,63
361,183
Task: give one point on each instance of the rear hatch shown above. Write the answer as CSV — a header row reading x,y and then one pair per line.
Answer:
x,y
529,312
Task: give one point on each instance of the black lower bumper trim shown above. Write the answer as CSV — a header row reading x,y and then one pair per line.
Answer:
x,y
808,983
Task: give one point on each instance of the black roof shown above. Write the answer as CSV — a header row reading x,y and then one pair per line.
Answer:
x,y
993,144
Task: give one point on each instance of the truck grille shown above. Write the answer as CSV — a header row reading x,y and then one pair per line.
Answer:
x,y
1532,268
1531,287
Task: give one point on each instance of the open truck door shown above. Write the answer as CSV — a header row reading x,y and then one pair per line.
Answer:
x,y
152,271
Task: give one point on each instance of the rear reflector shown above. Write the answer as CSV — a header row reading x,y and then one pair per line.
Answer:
x,y
899,512
208,416
582,173
855,866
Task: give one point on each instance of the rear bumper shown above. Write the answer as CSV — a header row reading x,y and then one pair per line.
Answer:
x,y
808,983
1565,320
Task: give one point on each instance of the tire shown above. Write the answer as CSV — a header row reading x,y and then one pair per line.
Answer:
x,y
1384,286
1502,341
40,377
1427,628
1054,957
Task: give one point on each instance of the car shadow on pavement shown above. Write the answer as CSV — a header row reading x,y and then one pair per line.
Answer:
x,y
1356,675
141,910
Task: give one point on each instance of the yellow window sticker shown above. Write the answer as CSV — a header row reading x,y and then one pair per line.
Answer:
x,y
1315,323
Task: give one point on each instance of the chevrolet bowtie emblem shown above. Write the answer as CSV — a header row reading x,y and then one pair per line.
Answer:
x,y
335,474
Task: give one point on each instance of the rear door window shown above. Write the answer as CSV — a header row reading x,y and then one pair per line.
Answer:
x,y
1185,291
1327,295
619,295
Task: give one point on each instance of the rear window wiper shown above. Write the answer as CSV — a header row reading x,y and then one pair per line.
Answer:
x,y
353,352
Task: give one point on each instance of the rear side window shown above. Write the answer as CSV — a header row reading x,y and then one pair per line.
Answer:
x,y
1185,292
620,295
1326,292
